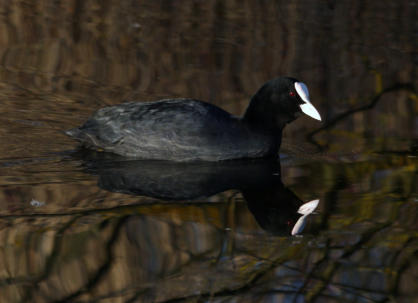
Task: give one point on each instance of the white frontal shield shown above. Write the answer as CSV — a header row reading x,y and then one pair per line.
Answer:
x,y
307,107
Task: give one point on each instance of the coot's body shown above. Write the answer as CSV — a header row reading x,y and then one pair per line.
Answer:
x,y
189,130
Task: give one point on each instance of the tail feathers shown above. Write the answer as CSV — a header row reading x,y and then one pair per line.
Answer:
x,y
86,139
75,133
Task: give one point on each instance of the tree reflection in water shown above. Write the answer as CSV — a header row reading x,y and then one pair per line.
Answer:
x,y
193,247
219,234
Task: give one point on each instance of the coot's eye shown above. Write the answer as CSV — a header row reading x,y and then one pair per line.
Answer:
x,y
291,94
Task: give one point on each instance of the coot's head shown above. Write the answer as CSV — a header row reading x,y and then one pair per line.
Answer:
x,y
278,102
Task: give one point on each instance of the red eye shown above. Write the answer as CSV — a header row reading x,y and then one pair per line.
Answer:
x,y
291,94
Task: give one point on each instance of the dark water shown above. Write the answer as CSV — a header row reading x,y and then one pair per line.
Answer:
x,y
77,227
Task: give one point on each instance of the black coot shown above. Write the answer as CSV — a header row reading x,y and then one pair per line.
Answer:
x,y
190,130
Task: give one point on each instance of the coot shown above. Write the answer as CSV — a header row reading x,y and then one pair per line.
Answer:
x,y
190,130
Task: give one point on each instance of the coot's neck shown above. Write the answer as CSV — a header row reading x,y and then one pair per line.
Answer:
x,y
261,116
264,121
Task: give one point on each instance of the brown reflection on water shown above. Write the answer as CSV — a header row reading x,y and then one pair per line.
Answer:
x,y
362,244
61,60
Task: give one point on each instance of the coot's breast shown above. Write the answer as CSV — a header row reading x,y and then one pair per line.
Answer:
x,y
176,129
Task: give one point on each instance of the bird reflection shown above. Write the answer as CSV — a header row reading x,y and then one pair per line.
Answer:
x,y
276,208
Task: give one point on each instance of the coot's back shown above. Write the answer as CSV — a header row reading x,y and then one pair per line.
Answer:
x,y
173,129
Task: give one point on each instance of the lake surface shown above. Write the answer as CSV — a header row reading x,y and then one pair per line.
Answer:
x,y
78,226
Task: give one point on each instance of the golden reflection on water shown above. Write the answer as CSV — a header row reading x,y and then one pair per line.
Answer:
x,y
60,61
94,244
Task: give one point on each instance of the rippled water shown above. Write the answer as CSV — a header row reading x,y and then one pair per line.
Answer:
x,y
77,226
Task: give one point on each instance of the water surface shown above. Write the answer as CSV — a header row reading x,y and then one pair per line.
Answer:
x,y
84,227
